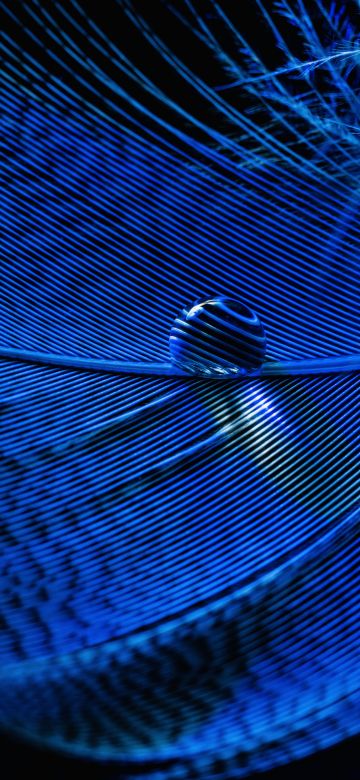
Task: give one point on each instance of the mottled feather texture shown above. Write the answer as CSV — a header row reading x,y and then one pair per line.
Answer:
x,y
179,564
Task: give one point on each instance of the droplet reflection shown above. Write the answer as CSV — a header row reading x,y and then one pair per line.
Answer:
x,y
218,337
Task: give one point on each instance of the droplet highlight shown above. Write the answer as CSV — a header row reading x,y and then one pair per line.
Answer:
x,y
219,337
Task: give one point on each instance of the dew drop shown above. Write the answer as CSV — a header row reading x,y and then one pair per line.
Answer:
x,y
220,337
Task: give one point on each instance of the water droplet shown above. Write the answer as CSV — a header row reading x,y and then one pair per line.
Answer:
x,y
218,337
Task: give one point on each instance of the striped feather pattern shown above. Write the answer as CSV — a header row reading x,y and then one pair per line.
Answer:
x,y
179,564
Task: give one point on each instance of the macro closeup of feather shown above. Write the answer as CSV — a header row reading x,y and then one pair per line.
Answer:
x,y
179,568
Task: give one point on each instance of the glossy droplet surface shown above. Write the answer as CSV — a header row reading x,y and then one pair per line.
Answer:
x,y
219,336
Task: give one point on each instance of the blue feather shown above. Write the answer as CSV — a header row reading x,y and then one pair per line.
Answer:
x,y
179,570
